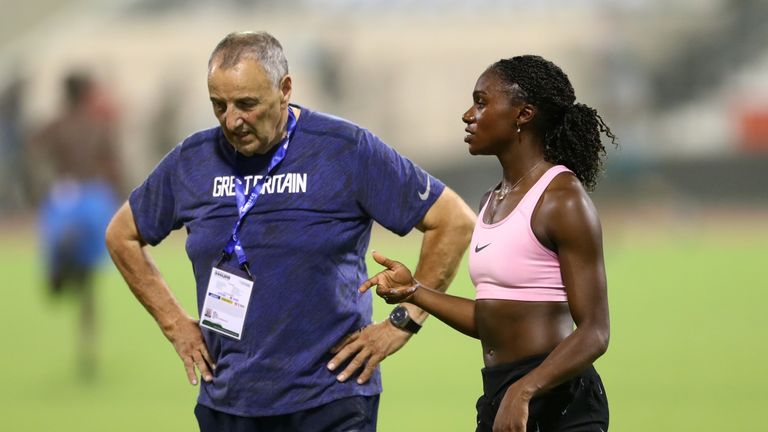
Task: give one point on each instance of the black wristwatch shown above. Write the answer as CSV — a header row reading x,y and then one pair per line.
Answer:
x,y
399,318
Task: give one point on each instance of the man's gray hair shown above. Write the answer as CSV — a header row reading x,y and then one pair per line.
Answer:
x,y
260,46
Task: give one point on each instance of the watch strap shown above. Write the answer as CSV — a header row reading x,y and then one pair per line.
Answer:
x,y
411,326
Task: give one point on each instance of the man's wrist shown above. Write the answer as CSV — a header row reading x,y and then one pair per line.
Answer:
x,y
401,318
171,323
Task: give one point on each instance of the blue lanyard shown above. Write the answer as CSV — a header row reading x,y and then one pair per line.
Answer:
x,y
244,206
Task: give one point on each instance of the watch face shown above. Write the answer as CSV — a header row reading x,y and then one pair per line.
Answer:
x,y
398,316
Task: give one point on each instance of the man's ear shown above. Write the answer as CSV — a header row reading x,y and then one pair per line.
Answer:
x,y
286,85
526,114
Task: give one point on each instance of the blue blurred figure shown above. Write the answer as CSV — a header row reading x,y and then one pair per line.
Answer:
x,y
73,219
77,152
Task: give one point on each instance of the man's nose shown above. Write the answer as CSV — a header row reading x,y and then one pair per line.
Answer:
x,y
234,119
468,117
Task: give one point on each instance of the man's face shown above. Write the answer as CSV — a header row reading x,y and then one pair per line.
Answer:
x,y
251,110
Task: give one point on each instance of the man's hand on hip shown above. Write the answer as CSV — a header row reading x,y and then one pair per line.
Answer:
x,y
367,347
187,339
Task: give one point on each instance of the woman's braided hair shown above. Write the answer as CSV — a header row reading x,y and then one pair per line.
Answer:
x,y
571,130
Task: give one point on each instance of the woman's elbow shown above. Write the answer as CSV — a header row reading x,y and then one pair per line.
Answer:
x,y
602,339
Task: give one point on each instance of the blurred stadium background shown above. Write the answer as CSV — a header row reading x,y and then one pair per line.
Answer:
x,y
683,84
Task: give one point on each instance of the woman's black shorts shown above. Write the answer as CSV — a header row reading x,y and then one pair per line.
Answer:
x,y
579,404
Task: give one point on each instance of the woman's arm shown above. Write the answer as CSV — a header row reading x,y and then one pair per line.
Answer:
x,y
397,285
570,222
567,220
457,312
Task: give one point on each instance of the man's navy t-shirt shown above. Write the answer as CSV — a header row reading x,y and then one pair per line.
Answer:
x,y
305,239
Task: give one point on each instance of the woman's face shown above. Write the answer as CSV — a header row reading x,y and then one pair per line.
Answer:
x,y
491,120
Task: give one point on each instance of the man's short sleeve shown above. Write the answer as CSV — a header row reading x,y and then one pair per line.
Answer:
x,y
153,203
394,191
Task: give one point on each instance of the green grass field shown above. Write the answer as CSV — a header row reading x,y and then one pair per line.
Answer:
x,y
687,349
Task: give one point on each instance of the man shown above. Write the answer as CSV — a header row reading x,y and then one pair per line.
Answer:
x,y
278,202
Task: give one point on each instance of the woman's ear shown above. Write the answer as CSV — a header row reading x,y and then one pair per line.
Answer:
x,y
526,114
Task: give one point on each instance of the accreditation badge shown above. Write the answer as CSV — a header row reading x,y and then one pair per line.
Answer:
x,y
226,302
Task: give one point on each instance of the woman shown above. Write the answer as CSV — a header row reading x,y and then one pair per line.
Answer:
x,y
536,255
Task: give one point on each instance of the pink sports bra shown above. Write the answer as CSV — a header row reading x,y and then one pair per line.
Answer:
x,y
507,261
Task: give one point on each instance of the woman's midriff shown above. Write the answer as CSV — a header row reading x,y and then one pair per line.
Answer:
x,y
511,330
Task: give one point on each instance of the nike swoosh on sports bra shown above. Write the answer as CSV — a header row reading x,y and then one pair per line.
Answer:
x,y
507,261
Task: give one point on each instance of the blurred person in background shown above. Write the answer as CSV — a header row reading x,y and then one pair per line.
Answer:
x,y
536,256
11,145
278,203
74,160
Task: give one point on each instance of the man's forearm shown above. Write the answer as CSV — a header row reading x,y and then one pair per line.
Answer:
x,y
146,283
440,256
140,273
445,240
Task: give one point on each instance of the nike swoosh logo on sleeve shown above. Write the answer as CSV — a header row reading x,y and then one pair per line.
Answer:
x,y
478,248
423,195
